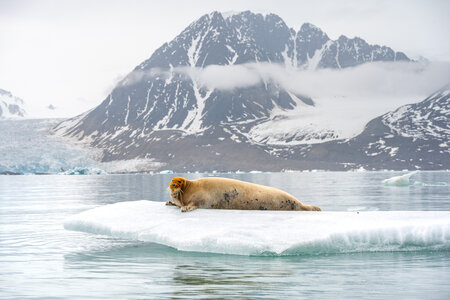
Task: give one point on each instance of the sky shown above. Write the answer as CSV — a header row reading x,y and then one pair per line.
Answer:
x,y
71,53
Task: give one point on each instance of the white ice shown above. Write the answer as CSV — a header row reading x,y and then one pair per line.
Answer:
x,y
402,180
267,232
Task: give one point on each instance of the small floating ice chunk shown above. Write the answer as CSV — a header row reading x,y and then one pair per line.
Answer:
x,y
402,180
166,172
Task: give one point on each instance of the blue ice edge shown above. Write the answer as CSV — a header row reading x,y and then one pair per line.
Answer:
x,y
276,233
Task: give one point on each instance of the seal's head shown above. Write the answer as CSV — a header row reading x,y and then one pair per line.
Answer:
x,y
177,186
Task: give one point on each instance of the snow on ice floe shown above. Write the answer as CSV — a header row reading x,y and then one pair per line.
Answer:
x,y
267,232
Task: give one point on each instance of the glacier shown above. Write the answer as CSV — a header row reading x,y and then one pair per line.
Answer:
x,y
27,148
241,232
83,171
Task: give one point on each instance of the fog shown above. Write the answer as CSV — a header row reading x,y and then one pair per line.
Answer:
x,y
379,78
369,80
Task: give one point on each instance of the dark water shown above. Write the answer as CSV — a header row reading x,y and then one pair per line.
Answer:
x,y
39,259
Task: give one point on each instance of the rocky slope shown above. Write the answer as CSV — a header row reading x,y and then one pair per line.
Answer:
x,y
415,136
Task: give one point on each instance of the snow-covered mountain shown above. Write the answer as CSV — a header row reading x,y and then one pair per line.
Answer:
x,y
162,111
414,136
157,97
10,106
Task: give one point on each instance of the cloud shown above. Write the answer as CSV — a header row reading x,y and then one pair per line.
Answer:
x,y
228,77
402,79
380,78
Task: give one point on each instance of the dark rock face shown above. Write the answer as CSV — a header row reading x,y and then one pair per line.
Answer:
x,y
160,113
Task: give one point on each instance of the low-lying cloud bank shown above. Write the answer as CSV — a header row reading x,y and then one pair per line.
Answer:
x,y
379,78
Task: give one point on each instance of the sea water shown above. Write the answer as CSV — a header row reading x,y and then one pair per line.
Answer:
x,y
381,241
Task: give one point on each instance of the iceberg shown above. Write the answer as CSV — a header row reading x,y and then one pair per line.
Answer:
x,y
166,172
402,180
242,232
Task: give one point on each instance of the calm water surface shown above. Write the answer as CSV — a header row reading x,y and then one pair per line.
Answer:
x,y
39,259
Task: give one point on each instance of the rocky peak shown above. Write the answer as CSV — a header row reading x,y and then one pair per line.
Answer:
x,y
161,98
10,106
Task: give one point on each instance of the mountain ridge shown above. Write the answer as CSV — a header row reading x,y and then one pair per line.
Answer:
x,y
162,114
396,140
11,106
190,49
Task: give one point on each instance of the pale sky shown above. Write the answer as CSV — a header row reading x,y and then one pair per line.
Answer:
x,y
70,53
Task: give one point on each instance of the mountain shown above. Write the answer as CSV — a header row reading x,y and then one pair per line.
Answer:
x,y
161,110
10,106
414,136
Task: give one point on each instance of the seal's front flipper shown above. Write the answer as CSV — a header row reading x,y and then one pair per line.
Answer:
x,y
170,203
310,207
188,208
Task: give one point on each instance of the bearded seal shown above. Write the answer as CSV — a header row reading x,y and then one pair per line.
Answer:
x,y
225,193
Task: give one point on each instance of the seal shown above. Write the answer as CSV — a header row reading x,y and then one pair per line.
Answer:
x,y
225,193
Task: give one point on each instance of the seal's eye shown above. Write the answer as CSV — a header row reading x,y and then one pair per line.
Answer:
x,y
179,181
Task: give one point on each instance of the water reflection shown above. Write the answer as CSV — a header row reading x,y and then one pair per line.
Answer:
x,y
158,271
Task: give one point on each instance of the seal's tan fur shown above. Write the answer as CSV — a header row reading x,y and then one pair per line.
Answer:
x,y
224,193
